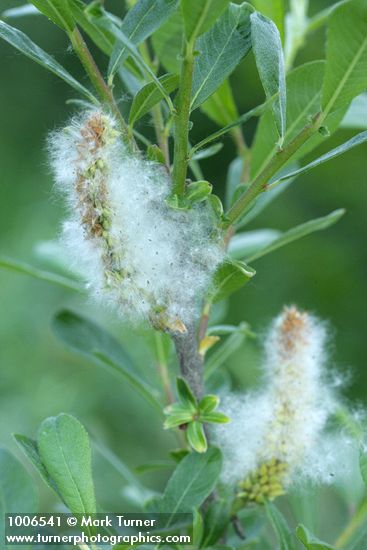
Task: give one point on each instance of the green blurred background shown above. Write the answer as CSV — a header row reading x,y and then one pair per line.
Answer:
x,y
325,272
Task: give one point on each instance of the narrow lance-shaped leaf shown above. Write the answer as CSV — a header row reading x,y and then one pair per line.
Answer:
x,y
26,269
343,148
21,42
58,11
88,339
298,232
346,55
256,111
199,16
21,11
247,243
140,22
268,52
63,446
220,50
150,95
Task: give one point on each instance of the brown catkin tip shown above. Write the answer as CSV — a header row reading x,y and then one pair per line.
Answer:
x,y
293,329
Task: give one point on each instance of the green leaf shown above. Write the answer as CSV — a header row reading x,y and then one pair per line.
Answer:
x,y
214,417
346,55
150,95
26,269
196,437
225,350
197,191
274,9
229,277
192,481
30,449
197,528
363,464
303,101
63,446
133,51
220,107
94,343
199,16
21,42
280,527
356,116
221,49
167,42
58,11
208,152
309,541
208,403
177,419
268,53
298,232
243,245
155,154
17,491
343,148
216,520
99,36
185,394
20,11
140,22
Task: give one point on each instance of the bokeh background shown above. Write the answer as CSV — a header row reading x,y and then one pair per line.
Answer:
x,y
325,272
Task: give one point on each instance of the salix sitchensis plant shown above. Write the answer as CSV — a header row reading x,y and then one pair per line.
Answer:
x,y
147,237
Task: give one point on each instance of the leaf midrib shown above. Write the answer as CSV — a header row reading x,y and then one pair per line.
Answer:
x,y
188,487
69,471
130,36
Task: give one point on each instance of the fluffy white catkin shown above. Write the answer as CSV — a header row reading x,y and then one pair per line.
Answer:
x,y
137,255
276,434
